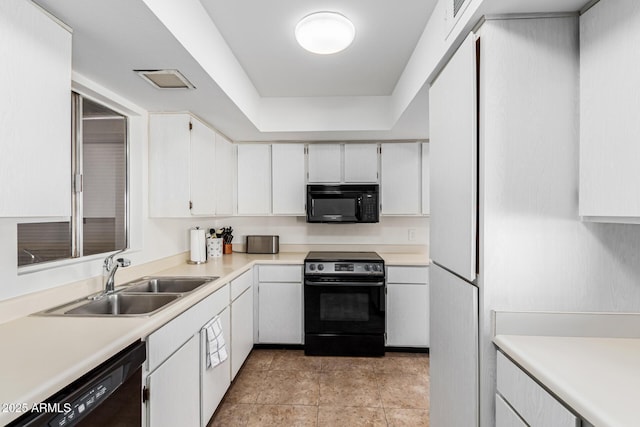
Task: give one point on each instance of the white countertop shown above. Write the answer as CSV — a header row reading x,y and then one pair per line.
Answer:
x,y
599,378
41,355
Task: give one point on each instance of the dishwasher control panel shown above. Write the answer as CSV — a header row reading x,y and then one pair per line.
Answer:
x,y
92,397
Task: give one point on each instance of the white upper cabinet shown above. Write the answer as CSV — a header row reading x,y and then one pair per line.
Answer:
x,y
287,172
169,160
223,170
35,124
184,178
202,169
609,105
425,179
254,179
343,163
360,163
325,163
401,177
453,149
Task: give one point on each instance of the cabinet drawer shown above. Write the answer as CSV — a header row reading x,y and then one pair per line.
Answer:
x,y
506,416
407,274
163,342
534,404
240,283
280,273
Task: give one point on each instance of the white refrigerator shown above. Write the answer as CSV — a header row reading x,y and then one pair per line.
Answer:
x,y
504,230
453,242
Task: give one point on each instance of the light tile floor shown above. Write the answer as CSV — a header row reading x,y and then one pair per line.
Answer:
x,y
287,388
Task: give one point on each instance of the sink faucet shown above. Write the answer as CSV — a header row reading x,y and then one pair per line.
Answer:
x,y
109,268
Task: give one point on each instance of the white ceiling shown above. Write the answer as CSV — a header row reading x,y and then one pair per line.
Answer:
x,y
253,83
263,42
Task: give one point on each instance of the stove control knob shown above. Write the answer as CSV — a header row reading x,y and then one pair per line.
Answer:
x,y
377,267
367,267
312,267
320,267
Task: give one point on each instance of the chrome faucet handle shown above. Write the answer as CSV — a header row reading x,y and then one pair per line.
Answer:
x,y
108,261
109,268
123,262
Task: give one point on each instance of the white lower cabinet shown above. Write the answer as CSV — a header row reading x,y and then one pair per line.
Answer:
x,y
407,307
214,381
241,320
174,389
280,304
533,404
506,416
173,374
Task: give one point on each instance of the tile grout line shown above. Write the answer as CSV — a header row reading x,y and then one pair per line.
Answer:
x,y
384,410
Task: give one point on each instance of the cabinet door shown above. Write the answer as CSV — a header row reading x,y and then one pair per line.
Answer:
x,y
400,179
325,163
174,389
453,151
287,171
280,313
453,351
169,158
425,179
242,330
609,105
214,381
35,131
407,315
360,163
202,181
224,173
254,179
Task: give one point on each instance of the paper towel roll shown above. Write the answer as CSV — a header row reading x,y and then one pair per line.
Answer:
x,y
198,249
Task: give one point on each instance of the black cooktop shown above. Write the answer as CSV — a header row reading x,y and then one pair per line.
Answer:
x,y
320,256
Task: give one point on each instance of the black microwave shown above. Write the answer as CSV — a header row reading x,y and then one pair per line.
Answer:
x,y
343,203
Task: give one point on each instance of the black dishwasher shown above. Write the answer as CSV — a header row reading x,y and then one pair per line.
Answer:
x,y
109,395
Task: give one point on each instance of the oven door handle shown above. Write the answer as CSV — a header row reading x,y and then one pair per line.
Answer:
x,y
343,283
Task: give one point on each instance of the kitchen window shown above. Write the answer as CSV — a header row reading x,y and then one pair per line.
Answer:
x,y
99,189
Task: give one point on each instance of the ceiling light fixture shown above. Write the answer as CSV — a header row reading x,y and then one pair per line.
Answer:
x,y
325,32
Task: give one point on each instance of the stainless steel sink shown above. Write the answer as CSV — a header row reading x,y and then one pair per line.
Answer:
x,y
159,285
142,297
122,304
114,305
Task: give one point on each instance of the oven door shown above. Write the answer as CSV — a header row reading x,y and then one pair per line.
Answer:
x,y
344,307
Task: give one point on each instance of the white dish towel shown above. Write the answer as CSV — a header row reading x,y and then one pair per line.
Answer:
x,y
216,350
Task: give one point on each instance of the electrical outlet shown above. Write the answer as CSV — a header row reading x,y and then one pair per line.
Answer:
x,y
411,234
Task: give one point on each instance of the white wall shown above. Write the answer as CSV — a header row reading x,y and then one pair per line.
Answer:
x,y
294,230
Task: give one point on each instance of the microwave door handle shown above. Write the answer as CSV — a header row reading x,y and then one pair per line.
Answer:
x,y
359,208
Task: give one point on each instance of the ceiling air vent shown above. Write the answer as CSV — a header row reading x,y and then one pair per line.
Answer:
x,y
165,79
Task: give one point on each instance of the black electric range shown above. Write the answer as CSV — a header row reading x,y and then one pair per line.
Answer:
x,y
344,304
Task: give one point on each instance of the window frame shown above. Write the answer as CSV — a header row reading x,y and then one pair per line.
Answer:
x,y
75,182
